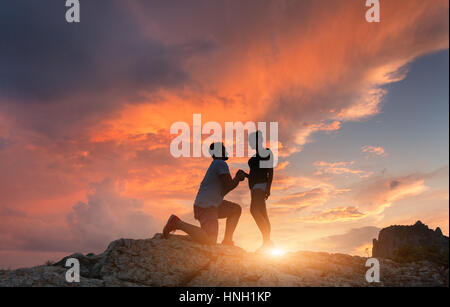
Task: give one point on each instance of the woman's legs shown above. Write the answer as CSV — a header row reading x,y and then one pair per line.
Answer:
x,y
266,218
259,213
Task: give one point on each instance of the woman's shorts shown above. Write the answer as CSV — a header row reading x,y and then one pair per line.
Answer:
x,y
260,186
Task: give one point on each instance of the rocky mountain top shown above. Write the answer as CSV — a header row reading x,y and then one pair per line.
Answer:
x,y
410,243
180,262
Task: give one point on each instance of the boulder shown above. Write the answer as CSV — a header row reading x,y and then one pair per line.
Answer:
x,y
410,242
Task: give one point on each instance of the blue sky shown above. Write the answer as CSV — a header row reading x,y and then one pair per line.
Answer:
x,y
413,125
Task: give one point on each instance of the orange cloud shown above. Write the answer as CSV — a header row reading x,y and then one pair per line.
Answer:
x,y
339,168
309,66
304,133
354,241
311,198
374,150
376,195
290,73
282,165
334,215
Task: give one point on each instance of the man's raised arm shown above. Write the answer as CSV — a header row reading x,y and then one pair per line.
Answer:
x,y
228,183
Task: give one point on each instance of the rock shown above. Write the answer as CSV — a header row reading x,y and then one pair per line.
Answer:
x,y
181,262
43,276
410,239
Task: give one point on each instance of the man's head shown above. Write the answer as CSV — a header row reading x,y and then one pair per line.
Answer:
x,y
217,151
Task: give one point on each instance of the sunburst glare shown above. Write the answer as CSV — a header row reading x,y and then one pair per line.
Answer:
x,y
276,252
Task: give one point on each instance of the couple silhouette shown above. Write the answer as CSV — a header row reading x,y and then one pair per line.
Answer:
x,y
210,206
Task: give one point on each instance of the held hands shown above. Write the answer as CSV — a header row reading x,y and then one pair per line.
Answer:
x,y
241,175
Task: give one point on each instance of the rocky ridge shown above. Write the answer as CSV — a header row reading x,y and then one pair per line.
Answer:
x,y
180,262
401,241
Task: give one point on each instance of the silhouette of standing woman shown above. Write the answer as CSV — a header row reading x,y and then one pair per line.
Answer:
x,y
260,182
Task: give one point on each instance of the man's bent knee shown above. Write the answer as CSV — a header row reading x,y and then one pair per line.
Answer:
x,y
229,209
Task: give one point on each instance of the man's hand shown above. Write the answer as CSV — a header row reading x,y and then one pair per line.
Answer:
x,y
229,183
240,175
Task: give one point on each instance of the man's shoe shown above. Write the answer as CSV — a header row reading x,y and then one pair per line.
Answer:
x,y
170,225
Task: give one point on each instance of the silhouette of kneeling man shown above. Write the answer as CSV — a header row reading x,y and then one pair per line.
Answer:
x,y
209,205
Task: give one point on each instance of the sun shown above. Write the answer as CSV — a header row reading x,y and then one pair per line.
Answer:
x,y
276,252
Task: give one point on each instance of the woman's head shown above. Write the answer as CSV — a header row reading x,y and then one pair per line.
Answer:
x,y
255,139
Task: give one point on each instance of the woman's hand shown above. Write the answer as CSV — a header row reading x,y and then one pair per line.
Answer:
x,y
267,194
241,175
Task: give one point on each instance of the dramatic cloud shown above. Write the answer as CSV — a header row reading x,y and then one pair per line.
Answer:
x,y
59,76
335,214
304,133
314,197
107,216
20,231
83,102
349,242
379,193
373,151
282,165
339,168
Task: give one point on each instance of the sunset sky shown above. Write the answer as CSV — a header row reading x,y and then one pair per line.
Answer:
x,y
86,110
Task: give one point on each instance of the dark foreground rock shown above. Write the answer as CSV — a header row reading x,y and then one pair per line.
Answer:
x,y
180,262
